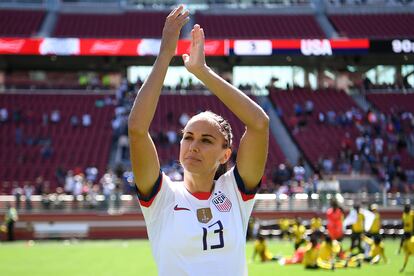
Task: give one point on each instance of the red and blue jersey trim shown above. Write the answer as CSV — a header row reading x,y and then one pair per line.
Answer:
x,y
146,201
245,194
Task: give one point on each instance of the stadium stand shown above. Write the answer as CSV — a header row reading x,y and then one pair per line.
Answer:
x,y
252,26
316,140
32,145
124,25
400,108
373,25
20,23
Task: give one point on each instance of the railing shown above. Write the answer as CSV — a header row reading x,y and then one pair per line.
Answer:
x,y
264,202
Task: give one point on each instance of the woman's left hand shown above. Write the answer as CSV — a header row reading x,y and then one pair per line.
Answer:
x,y
196,61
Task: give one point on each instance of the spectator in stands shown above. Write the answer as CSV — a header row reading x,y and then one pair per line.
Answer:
x,y
172,136
281,175
86,120
93,193
108,186
17,192
91,173
18,135
123,143
83,80
45,119
106,81
74,121
17,116
46,150
321,117
28,190
78,181
45,198
327,165
69,183
346,142
4,115
309,106
331,117
204,152
39,185
184,118
298,109
60,176
55,116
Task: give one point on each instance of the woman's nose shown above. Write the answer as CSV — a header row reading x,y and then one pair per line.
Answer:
x,y
194,147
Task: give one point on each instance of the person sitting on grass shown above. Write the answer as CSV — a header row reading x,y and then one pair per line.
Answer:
x,y
261,249
376,249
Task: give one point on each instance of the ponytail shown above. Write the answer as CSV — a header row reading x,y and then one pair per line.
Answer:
x,y
222,169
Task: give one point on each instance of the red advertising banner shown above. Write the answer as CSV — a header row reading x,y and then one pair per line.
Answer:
x,y
211,47
19,46
150,47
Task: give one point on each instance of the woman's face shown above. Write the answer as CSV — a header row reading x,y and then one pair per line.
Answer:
x,y
201,150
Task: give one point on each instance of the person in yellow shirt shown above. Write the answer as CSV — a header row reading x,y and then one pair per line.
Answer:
x,y
357,230
408,247
328,256
260,248
376,250
298,233
376,224
310,257
408,224
316,226
284,225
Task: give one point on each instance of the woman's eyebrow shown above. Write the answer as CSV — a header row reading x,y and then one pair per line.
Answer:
x,y
202,135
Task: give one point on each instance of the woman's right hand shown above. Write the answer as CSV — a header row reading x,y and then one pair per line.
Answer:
x,y
171,31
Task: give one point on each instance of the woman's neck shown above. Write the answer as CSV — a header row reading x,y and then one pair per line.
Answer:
x,y
198,183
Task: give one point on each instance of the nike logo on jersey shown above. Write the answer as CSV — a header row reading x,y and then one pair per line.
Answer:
x,y
176,208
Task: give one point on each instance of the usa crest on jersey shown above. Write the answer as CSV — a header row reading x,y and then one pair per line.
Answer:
x,y
222,203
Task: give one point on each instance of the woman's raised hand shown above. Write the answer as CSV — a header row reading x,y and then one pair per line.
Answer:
x,y
195,62
171,31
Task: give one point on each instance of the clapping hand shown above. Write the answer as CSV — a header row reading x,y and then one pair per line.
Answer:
x,y
171,31
195,62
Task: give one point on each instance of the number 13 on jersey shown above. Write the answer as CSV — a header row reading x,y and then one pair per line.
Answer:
x,y
217,229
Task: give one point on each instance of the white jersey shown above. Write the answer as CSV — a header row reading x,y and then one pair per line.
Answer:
x,y
199,234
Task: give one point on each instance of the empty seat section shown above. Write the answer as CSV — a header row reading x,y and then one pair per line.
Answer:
x,y
374,25
259,26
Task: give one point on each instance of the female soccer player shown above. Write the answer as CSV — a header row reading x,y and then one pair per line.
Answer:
x,y
198,226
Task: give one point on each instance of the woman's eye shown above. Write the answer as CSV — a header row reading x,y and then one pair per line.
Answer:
x,y
206,141
187,138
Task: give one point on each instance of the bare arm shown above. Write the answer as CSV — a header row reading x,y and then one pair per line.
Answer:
x,y
144,158
252,153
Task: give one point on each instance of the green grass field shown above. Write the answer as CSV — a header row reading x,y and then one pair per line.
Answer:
x,y
133,257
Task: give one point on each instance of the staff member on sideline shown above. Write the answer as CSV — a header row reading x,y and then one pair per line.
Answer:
x,y
198,226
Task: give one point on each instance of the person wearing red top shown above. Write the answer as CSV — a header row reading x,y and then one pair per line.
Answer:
x,y
335,217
